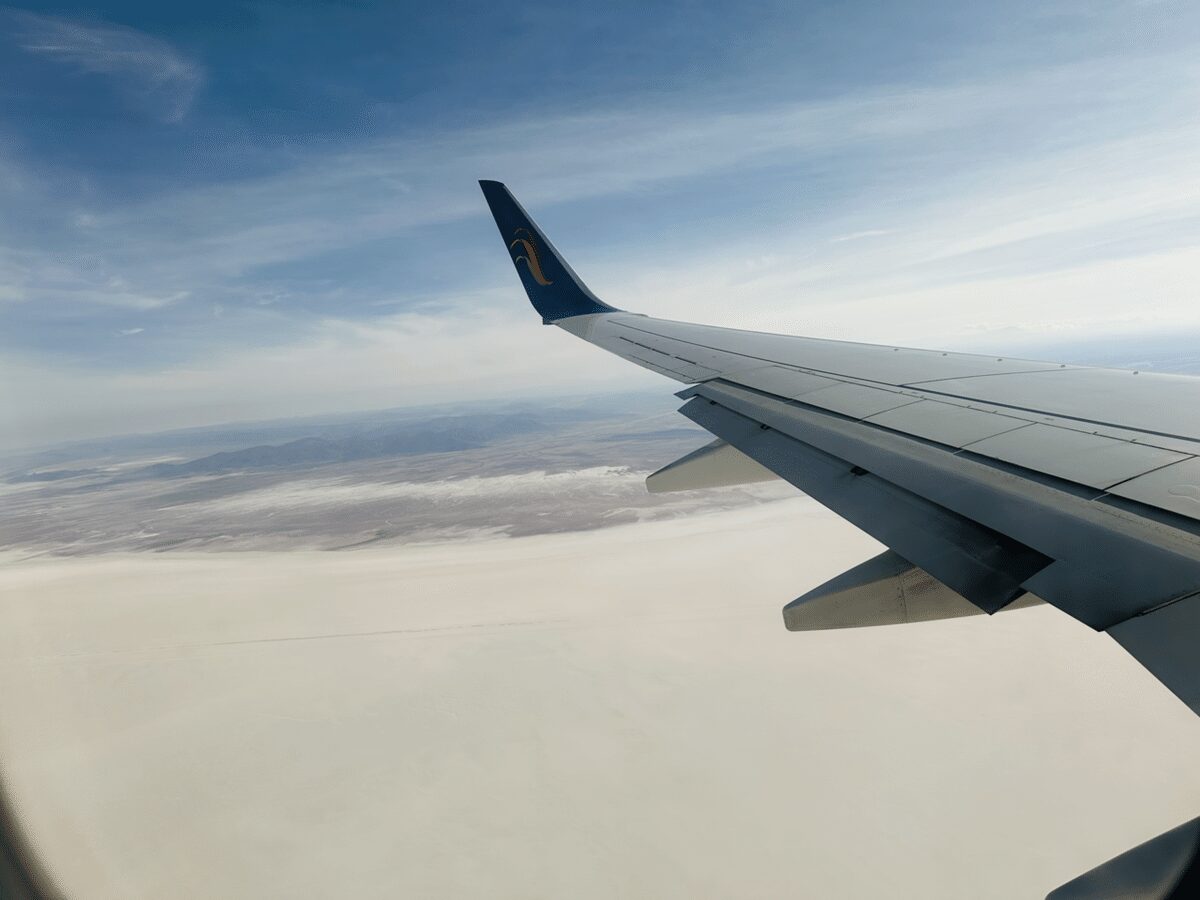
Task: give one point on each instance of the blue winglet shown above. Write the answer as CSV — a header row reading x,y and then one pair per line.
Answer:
x,y
553,288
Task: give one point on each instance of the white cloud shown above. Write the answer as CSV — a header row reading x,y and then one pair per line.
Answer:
x,y
344,492
156,76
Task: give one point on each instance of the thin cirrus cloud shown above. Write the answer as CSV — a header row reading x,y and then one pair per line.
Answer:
x,y
345,492
859,235
205,239
149,72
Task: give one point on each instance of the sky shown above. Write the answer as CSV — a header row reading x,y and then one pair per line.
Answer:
x,y
225,211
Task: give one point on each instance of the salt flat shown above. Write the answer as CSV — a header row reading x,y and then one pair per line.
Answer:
x,y
612,713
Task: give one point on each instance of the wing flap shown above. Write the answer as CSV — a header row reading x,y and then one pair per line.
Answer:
x,y
1108,565
982,565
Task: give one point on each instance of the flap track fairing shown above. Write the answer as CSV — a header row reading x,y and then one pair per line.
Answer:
x,y
885,590
714,465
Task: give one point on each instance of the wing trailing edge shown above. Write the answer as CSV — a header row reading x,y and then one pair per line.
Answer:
x,y
1164,640
1164,868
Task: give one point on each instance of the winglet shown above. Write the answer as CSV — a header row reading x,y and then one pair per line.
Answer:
x,y
553,288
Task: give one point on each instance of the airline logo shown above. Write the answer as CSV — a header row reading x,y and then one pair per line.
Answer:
x,y
527,250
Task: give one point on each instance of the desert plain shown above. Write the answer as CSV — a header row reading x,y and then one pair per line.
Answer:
x,y
608,713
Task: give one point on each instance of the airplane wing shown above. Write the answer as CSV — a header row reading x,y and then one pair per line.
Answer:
x,y
995,482
998,477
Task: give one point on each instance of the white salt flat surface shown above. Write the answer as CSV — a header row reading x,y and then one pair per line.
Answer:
x,y
617,713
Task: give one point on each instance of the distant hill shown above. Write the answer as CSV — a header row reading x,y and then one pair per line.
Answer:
x,y
52,475
440,435
318,440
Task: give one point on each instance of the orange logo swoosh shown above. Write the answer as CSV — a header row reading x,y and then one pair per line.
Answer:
x,y
524,241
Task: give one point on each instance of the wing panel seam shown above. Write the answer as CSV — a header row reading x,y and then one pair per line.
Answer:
x,y
1066,417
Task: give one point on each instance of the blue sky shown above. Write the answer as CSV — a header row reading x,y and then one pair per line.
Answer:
x,y
240,210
